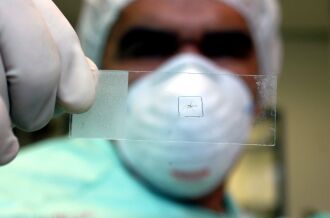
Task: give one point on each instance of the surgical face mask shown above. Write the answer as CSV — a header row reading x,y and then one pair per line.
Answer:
x,y
181,167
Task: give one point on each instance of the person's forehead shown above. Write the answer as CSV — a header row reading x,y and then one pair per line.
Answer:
x,y
185,15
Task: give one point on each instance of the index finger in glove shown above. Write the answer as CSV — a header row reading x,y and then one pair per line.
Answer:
x,y
31,64
76,90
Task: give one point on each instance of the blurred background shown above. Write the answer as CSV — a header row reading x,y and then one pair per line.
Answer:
x,y
292,178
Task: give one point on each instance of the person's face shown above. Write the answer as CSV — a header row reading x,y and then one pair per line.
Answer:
x,y
149,32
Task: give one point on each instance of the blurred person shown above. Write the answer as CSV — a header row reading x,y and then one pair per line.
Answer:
x,y
98,178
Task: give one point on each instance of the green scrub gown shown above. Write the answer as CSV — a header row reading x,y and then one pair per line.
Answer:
x,y
83,178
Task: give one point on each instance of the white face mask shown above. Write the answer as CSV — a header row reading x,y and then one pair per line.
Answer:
x,y
182,168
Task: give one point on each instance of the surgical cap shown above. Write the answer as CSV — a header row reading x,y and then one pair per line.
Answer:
x,y
99,16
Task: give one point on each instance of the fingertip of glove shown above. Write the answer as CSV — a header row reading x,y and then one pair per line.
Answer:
x,y
10,150
94,70
91,64
79,96
77,103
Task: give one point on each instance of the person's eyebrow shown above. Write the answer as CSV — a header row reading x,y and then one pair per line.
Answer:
x,y
146,41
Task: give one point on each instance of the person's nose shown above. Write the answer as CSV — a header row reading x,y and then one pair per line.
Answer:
x,y
189,47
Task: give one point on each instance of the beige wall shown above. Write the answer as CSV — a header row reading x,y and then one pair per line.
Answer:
x,y
304,96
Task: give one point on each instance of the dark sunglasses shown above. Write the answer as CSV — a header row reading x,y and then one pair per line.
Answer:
x,y
141,42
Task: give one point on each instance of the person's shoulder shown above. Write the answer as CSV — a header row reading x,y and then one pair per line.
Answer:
x,y
54,170
75,148
58,156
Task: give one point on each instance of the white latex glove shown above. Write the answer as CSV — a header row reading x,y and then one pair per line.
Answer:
x,y
41,66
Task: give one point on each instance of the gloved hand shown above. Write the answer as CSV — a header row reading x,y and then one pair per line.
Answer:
x,y
41,66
